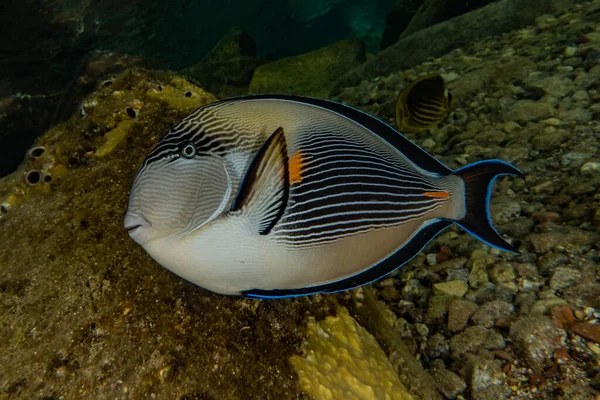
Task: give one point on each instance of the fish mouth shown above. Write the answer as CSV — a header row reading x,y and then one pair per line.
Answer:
x,y
132,228
134,222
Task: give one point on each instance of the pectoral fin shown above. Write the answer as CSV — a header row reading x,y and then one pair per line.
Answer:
x,y
264,192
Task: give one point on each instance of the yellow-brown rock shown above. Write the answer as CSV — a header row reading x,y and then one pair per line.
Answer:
x,y
344,361
114,138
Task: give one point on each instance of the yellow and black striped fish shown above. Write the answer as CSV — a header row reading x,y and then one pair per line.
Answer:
x,y
276,196
423,104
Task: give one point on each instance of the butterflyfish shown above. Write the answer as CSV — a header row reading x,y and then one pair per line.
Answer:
x,y
423,104
270,196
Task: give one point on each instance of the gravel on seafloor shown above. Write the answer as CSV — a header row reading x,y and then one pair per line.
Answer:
x,y
492,325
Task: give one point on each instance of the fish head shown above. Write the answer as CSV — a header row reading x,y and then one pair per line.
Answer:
x,y
176,191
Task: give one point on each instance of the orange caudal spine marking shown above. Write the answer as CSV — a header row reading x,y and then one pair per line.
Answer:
x,y
437,195
296,164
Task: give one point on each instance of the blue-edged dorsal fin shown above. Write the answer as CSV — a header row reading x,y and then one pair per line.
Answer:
x,y
264,192
410,150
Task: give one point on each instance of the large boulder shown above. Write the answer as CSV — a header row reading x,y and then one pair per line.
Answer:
x,y
494,19
433,12
310,74
397,20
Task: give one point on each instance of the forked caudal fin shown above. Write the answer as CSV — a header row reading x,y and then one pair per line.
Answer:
x,y
479,178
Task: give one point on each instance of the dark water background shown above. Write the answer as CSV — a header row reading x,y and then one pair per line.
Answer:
x,y
49,50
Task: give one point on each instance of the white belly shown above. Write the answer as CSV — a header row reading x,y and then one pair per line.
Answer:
x,y
226,257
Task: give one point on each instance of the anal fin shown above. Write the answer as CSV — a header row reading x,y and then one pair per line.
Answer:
x,y
264,192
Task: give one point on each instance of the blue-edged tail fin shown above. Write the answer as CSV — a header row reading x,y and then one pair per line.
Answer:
x,y
479,178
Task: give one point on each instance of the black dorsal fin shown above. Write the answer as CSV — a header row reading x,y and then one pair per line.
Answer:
x,y
264,192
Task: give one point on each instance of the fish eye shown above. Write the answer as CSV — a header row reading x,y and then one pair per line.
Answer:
x,y
188,150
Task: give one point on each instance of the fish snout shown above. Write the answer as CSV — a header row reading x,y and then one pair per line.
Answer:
x,y
133,222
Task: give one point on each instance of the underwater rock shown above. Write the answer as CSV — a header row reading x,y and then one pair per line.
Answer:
x,y
528,110
433,12
181,95
485,373
474,338
397,20
536,338
552,85
228,68
564,277
342,360
456,288
488,313
459,313
493,19
446,381
309,74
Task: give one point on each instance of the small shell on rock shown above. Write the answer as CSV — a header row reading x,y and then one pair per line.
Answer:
x,y
37,151
589,168
33,177
4,208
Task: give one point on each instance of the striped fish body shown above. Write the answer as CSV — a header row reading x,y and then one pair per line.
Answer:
x,y
297,196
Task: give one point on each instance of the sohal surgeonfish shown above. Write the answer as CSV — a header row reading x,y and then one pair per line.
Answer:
x,y
423,104
277,196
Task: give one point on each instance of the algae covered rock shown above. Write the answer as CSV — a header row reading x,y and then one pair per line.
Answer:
x,y
344,361
309,74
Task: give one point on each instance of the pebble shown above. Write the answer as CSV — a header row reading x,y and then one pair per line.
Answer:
x,y
528,110
447,382
422,329
428,144
478,276
564,277
459,313
570,51
594,348
551,122
576,114
549,261
456,288
497,392
556,86
486,373
431,259
490,312
592,59
438,307
474,338
450,76
437,346
544,306
581,96
503,273
589,168
536,339
511,126
505,211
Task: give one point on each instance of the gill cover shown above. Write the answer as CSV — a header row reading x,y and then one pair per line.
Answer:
x,y
178,196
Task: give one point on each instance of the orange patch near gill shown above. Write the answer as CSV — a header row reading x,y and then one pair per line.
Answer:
x,y
296,164
437,195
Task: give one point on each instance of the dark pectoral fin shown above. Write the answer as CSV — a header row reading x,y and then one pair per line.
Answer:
x,y
264,191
